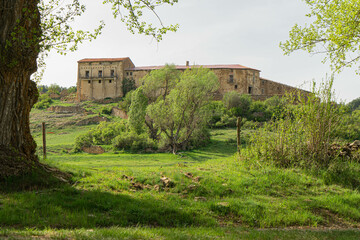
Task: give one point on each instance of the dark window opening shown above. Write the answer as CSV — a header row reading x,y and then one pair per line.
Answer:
x,y
99,81
250,90
112,73
89,81
231,78
87,74
100,73
109,81
130,73
127,74
262,82
262,91
235,86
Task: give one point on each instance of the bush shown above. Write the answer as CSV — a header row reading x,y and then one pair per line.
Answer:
x,y
102,134
106,110
354,104
83,140
350,129
44,102
131,141
302,135
72,89
238,104
216,109
117,134
259,112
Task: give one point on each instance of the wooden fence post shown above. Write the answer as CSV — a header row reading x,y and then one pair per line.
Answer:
x,y
238,125
44,140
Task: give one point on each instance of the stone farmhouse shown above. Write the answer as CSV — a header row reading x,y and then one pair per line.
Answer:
x,y
100,78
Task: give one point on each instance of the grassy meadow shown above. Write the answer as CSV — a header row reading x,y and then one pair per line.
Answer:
x,y
211,193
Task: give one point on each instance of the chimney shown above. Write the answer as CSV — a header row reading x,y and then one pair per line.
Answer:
x,y
187,63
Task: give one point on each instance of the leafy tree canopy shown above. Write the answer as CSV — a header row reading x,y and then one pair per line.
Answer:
x,y
58,34
334,31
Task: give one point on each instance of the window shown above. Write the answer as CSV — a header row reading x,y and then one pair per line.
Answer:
x,y
109,81
250,90
235,86
87,74
99,81
89,81
130,73
262,82
100,73
112,73
127,74
262,91
231,78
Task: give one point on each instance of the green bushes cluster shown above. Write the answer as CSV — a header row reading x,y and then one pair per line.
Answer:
x,y
302,135
117,134
43,102
106,110
234,105
349,130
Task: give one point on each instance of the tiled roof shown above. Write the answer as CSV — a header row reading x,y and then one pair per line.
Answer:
x,y
102,59
183,67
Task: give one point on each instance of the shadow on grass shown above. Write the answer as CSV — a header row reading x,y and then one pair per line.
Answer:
x,y
66,207
216,149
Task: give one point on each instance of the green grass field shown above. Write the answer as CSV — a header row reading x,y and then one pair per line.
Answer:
x,y
208,193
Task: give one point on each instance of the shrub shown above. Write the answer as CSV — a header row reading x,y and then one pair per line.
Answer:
x,y
350,129
44,102
216,109
106,110
131,141
354,104
102,134
72,89
105,132
303,134
238,104
259,112
83,140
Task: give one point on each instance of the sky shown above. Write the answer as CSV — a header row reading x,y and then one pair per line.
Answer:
x,y
245,32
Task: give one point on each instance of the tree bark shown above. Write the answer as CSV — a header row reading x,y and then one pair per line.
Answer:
x,y
20,33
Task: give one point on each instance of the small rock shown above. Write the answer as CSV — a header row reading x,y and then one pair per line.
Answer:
x,y
224,204
200,199
197,179
167,182
191,186
137,186
188,175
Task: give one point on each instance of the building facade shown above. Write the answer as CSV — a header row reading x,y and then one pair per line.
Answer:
x,y
101,78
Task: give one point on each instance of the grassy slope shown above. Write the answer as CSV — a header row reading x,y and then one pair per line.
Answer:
x,y
227,195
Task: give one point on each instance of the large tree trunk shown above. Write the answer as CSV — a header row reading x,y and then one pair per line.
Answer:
x,y
19,48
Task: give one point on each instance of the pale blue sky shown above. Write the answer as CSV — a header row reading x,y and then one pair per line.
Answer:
x,y
245,32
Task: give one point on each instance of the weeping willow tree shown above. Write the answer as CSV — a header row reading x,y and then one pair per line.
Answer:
x,y
29,29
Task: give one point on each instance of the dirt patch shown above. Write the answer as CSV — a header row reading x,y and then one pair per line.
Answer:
x,y
117,112
67,109
93,150
92,120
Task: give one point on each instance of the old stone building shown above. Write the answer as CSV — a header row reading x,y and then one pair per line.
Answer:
x,y
101,78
